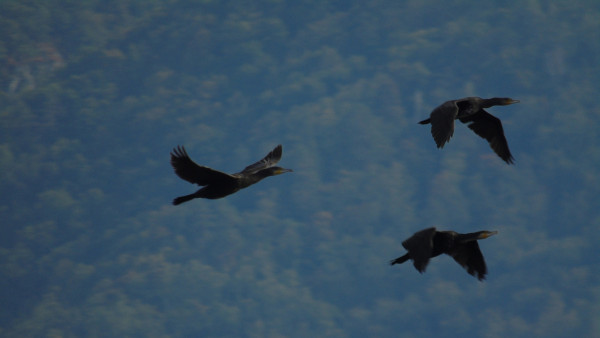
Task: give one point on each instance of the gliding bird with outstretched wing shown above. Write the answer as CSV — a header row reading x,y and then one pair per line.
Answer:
x,y
471,110
429,243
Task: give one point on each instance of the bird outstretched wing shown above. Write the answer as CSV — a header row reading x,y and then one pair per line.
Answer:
x,y
490,128
188,170
268,161
442,122
470,257
420,246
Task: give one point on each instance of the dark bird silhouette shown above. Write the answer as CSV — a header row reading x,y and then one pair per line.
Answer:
x,y
218,184
471,110
429,243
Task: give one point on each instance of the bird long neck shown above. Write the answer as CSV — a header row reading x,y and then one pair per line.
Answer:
x,y
248,180
471,236
494,101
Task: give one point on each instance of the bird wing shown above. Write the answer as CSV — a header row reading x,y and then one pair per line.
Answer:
x,y
469,257
188,170
420,246
490,128
442,122
268,161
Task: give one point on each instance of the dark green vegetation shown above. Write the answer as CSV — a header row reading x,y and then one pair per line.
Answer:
x,y
429,243
218,184
95,94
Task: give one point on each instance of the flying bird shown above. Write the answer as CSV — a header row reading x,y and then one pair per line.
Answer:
x,y
218,184
471,110
429,243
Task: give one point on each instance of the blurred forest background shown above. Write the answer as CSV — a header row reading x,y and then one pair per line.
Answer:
x,y
95,94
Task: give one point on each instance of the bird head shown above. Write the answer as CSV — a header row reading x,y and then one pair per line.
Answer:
x,y
486,234
496,101
278,170
505,101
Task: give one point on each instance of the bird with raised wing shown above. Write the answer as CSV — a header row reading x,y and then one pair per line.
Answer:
x,y
217,184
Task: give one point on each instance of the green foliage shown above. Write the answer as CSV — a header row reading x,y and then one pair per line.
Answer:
x,y
94,95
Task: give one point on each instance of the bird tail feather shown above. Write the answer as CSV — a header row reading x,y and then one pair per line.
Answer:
x,y
400,260
182,199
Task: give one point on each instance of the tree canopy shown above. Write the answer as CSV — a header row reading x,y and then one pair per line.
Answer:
x,y
95,94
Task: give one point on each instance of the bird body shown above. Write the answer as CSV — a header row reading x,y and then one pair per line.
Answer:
x,y
471,110
217,184
429,243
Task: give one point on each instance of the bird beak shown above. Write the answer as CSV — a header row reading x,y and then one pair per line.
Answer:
x,y
488,234
511,101
283,171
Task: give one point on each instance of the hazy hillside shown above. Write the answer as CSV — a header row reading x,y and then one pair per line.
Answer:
x,y
95,94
